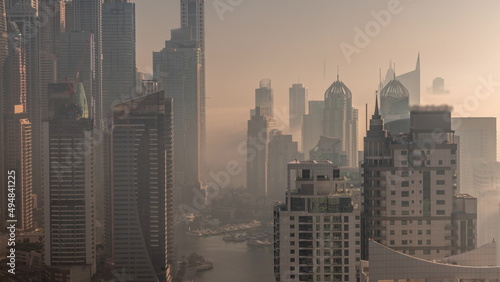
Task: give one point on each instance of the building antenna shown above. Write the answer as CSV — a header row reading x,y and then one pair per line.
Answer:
x,y
380,79
324,69
366,118
337,72
394,71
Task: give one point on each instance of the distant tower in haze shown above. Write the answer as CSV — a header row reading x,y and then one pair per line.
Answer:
x,y
178,71
312,126
340,119
193,18
438,86
259,126
394,101
411,80
264,96
282,150
297,103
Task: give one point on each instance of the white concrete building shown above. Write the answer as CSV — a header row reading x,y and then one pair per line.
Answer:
x,y
318,230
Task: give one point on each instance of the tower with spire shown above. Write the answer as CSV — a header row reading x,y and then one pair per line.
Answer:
x,y
394,101
340,119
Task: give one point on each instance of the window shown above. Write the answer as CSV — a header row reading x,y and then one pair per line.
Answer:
x,y
439,192
404,162
405,194
393,212
440,162
419,242
404,222
405,203
440,202
393,202
306,173
405,173
439,182
292,217
292,252
405,184
428,232
292,234
453,152
336,173
405,213
427,252
404,232
393,193
292,226
392,242
393,182
428,162
392,232
292,243
404,242
428,242
453,161
392,222
419,232
440,172
440,212
404,153
412,252
292,260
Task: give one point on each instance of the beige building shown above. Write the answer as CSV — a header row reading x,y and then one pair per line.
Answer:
x,y
411,198
318,230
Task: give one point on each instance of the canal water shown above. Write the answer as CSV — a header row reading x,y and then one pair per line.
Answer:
x,y
233,262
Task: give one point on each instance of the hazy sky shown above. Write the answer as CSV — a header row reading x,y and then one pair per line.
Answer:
x,y
289,40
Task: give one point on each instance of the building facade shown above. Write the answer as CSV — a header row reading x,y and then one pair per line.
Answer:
x,y
340,119
297,102
178,70
312,126
317,231
411,200
143,188
69,195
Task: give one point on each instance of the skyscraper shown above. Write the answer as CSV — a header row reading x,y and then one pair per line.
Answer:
x,y
317,230
312,126
394,101
411,80
26,21
411,199
478,144
118,50
17,139
340,119
69,196
282,150
259,126
264,96
143,188
193,18
297,102
177,68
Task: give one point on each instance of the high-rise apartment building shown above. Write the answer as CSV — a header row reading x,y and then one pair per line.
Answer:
x,y
317,231
312,127
177,68
411,199
297,103
23,17
143,188
340,119
69,195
